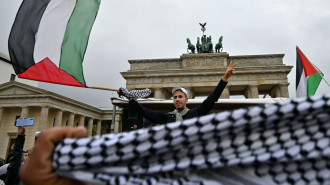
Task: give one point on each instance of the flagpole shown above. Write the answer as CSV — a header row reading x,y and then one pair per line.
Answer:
x,y
325,80
318,71
102,88
90,87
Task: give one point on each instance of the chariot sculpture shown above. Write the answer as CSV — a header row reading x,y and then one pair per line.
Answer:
x,y
204,45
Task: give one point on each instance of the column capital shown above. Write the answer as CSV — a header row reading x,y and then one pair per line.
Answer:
x,y
284,84
253,85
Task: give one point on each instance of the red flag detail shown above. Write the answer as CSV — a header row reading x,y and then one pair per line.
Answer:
x,y
47,71
308,67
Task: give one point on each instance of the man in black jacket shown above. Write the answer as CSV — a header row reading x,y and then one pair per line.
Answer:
x,y
180,99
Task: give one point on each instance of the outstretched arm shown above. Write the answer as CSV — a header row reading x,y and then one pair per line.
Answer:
x,y
154,116
208,103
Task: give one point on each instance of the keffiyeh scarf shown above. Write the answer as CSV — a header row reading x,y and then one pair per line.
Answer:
x,y
286,143
178,114
133,94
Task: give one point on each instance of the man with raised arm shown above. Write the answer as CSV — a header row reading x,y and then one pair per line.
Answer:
x,y
180,99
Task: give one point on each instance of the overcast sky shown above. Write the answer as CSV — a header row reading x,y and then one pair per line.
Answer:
x,y
145,29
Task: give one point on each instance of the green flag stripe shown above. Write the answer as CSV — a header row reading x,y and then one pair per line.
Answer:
x,y
76,38
313,82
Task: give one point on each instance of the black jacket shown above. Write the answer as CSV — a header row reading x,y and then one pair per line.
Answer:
x,y
15,161
203,109
10,155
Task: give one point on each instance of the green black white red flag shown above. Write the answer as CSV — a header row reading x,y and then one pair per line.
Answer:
x,y
49,38
308,76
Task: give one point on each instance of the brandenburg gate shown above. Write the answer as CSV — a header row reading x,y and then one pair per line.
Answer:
x,y
199,73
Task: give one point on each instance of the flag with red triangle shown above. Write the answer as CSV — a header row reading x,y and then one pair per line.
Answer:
x,y
49,38
308,76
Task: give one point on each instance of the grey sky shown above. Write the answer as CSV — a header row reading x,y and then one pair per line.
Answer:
x,y
130,29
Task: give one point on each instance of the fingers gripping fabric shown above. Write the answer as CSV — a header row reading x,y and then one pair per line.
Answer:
x,y
286,143
134,94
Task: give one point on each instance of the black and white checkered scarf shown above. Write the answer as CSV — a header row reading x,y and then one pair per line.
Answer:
x,y
285,143
134,94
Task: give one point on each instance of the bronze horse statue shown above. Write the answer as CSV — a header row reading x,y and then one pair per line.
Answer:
x,y
218,46
191,47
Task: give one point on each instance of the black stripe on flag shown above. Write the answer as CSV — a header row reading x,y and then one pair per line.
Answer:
x,y
299,68
22,36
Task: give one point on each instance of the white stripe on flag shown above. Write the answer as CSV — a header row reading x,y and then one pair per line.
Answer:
x,y
301,90
51,30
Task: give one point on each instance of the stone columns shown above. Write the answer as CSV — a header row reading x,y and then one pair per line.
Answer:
x,y
251,91
118,126
25,112
71,120
191,92
158,93
284,90
90,127
275,92
225,93
98,127
58,118
161,93
1,113
43,120
280,90
82,121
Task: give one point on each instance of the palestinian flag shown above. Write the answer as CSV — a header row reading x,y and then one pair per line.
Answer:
x,y
308,76
49,38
